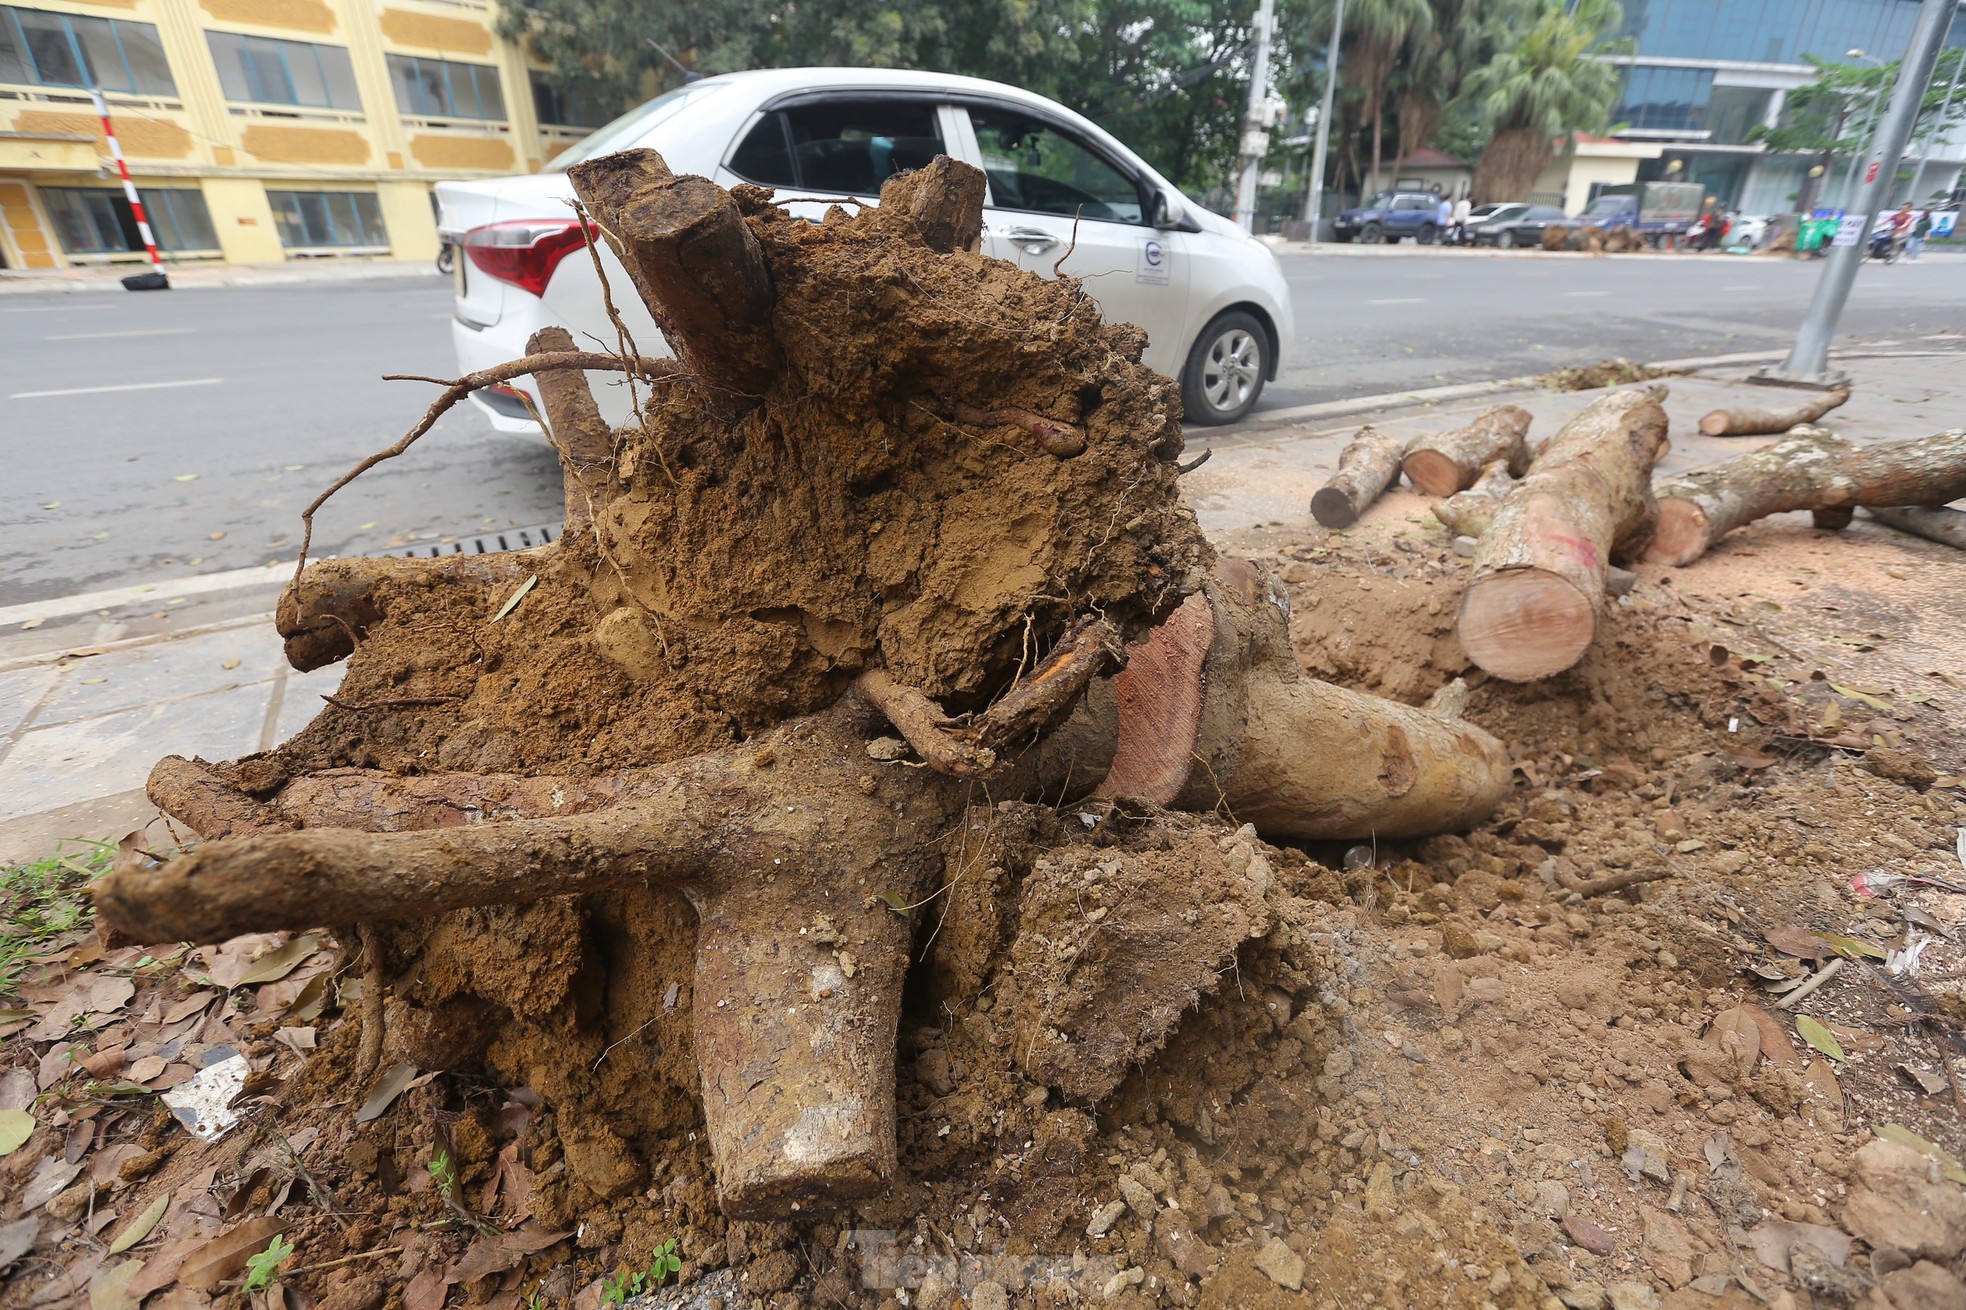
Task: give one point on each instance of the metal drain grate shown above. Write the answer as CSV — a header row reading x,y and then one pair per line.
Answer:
x,y
488,543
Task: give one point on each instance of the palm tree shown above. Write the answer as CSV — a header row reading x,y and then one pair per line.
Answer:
x,y
1434,63
1542,85
1376,33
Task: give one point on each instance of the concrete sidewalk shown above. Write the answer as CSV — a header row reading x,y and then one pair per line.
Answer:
x,y
18,282
88,705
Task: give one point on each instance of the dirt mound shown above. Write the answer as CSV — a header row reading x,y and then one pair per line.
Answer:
x,y
1428,1075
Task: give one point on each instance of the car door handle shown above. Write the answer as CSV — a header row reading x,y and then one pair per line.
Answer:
x,y
1031,240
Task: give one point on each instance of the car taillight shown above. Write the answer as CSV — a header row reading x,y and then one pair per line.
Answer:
x,y
524,252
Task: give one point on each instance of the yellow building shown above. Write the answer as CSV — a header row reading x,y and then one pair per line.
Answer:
x,y
258,130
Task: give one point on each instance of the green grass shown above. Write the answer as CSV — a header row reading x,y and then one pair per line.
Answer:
x,y
41,901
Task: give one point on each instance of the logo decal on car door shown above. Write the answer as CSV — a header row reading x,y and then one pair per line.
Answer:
x,y
1151,267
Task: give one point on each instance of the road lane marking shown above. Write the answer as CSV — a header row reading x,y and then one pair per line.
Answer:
x,y
146,593
56,309
1399,300
1586,293
127,386
135,332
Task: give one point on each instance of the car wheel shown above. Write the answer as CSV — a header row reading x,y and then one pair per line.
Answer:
x,y
1373,234
1507,240
1225,370
1428,235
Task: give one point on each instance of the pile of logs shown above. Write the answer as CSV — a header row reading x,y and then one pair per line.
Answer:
x,y
1549,528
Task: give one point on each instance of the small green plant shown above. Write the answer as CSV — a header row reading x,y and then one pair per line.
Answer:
x,y
441,1172
263,1268
537,1301
42,900
664,1261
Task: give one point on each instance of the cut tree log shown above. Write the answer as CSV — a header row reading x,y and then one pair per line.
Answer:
x,y
1367,465
1451,462
582,437
1813,469
1214,711
1531,607
1746,421
698,267
1943,525
1466,513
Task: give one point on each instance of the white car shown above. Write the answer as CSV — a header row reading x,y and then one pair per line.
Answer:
x,y
1212,299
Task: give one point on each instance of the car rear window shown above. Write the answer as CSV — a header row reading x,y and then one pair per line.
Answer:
x,y
849,146
632,126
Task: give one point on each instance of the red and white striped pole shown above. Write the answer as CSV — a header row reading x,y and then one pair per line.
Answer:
x,y
156,279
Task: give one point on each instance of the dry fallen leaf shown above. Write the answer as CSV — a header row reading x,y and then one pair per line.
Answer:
x,y
278,964
1736,1036
16,1126
225,1255
1819,1037
532,580
1775,1046
32,624
1790,940
139,1228
110,1288
391,1085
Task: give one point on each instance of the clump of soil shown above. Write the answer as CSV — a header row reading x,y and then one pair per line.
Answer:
x,y
879,506
1419,1075
1609,373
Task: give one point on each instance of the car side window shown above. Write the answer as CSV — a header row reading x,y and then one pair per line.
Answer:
x,y
845,145
1034,166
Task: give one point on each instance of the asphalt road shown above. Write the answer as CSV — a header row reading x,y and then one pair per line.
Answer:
x,y
1368,324
269,393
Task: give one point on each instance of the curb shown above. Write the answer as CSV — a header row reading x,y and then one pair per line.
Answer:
x,y
204,276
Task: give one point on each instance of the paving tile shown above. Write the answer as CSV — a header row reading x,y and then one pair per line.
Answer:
x,y
20,692
302,698
65,763
167,670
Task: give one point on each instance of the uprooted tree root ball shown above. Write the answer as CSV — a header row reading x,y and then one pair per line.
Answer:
x,y
641,792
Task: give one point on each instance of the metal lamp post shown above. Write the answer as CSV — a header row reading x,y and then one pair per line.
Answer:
x,y
1807,364
1314,201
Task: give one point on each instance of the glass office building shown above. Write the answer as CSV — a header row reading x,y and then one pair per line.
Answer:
x,y
1705,73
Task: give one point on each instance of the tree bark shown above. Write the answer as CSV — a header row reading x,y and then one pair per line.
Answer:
x,y
695,263
945,200
581,436
1810,469
1946,526
1449,463
1366,467
1214,712
1741,421
1539,572
1467,513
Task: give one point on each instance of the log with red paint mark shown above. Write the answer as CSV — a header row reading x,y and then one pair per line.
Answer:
x,y
1540,568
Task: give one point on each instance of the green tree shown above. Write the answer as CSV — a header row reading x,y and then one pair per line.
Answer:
x,y
1433,66
1168,77
1378,33
1832,116
1541,85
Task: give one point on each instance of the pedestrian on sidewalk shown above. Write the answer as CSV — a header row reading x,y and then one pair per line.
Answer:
x,y
1463,210
1920,229
1444,219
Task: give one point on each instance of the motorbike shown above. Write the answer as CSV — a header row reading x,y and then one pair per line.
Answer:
x,y
1886,246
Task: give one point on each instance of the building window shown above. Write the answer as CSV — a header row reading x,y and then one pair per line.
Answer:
x,y
571,106
44,49
262,70
328,219
444,88
99,221
1666,99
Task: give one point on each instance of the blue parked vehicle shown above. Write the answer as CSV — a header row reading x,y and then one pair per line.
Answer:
x,y
1651,209
1391,215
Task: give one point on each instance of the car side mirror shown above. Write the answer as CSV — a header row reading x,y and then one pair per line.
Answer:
x,y
1168,209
